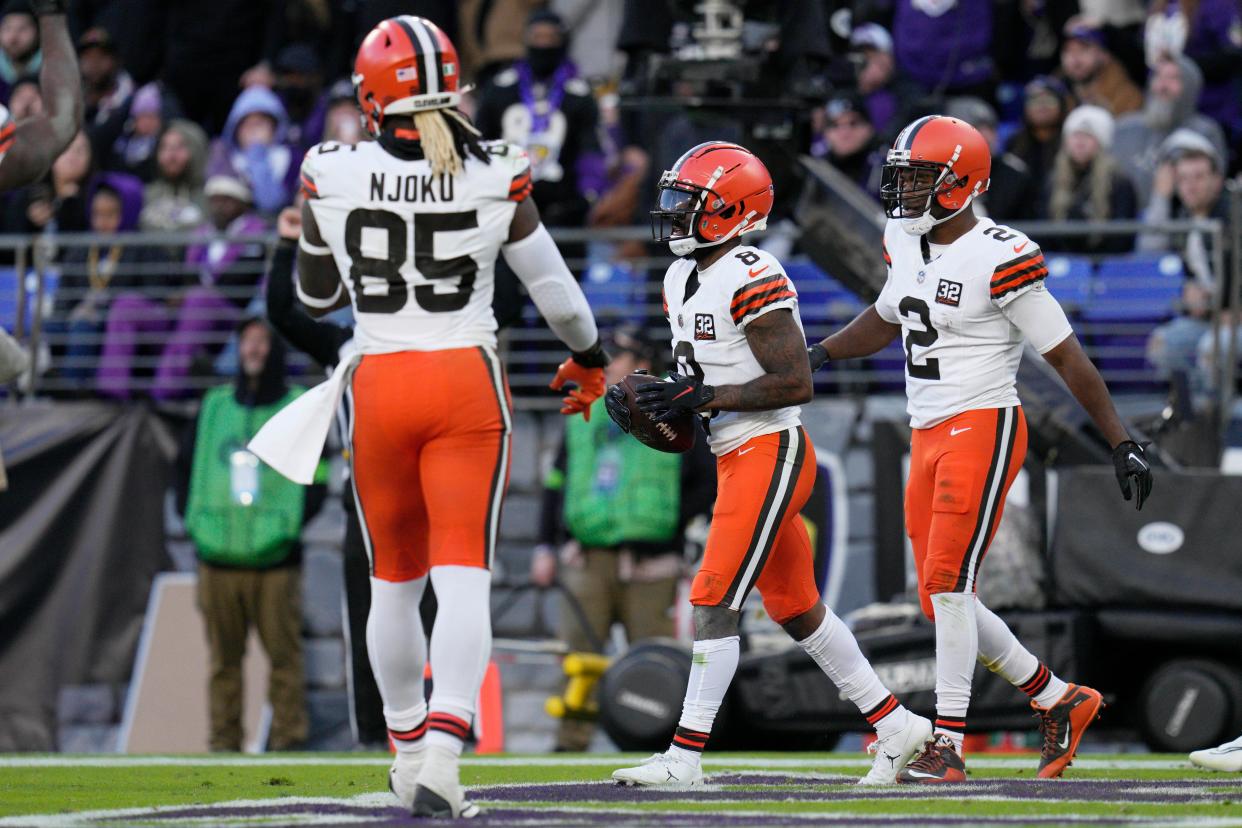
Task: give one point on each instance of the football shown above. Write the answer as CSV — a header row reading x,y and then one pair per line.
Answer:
x,y
675,435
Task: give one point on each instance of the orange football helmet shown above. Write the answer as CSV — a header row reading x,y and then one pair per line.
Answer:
x,y
405,65
935,160
713,193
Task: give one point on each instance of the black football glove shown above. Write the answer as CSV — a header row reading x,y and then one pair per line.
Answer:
x,y
818,355
614,402
1133,471
664,400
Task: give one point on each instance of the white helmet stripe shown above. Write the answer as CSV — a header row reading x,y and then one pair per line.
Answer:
x,y
430,82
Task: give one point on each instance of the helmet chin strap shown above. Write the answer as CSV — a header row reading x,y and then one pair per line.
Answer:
x,y
921,225
688,244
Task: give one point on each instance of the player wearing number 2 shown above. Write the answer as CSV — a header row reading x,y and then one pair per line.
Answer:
x,y
967,293
740,354
408,228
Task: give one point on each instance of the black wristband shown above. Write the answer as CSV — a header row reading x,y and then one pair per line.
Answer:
x,y
286,244
818,355
593,357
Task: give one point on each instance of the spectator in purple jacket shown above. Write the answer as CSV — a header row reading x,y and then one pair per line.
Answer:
x,y
945,45
253,149
224,271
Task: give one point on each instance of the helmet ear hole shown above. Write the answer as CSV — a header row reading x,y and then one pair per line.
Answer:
x,y
727,213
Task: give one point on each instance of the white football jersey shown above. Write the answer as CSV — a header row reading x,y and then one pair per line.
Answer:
x,y
962,353
417,252
708,312
8,131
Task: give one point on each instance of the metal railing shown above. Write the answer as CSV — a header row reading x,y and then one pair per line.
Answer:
x,y
157,317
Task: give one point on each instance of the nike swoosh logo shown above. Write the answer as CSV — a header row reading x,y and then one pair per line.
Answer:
x,y
1064,741
953,432
921,775
740,452
684,393
1018,248
1222,750
754,273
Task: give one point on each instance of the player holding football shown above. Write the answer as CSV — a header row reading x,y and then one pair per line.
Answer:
x,y
967,292
740,354
415,220
28,149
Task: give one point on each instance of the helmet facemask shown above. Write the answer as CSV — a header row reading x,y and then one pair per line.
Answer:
x,y
681,208
910,190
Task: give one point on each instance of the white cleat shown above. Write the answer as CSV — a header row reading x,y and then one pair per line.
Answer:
x,y
891,754
430,786
663,770
1227,757
403,777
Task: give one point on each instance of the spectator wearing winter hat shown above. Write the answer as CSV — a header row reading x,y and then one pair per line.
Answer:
x,y
1088,184
888,96
340,120
849,142
1209,32
225,272
299,83
253,148
134,150
174,200
1044,108
93,275
1012,194
1172,90
1094,75
19,45
107,90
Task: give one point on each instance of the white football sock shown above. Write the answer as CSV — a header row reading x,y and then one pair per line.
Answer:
x,y
1002,653
711,672
397,650
461,643
835,650
957,647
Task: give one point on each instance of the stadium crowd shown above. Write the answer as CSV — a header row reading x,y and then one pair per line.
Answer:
x,y
1096,110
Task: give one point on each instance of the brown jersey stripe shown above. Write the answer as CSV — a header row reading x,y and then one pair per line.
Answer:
x,y
999,282
1014,265
760,302
1030,279
750,289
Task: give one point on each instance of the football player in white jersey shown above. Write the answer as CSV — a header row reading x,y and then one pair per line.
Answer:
x,y
740,355
407,227
966,293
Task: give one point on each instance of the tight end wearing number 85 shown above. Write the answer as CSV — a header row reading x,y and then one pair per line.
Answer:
x,y
407,228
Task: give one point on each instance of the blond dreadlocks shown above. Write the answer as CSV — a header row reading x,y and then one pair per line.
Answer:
x,y
442,148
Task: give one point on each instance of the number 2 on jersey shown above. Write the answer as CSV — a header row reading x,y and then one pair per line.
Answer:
x,y
929,369
394,227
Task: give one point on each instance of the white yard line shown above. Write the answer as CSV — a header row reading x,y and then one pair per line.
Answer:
x,y
982,763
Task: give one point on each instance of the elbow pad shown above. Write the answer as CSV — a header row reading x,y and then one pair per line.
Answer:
x,y
540,267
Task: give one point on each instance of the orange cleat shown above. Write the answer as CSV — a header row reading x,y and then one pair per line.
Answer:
x,y
1063,725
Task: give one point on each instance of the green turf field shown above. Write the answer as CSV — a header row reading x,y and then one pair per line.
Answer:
x,y
743,790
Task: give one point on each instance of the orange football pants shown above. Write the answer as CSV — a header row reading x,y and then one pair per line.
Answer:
x,y
960,473
430,439
757,537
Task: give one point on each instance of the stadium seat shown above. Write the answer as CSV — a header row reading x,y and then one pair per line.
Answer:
x,y
1070,280
1131,296
8,295
1140,288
